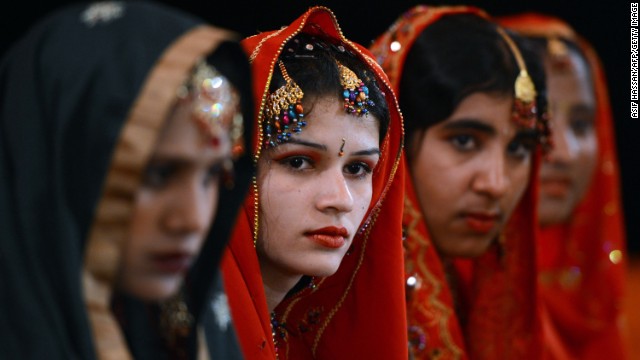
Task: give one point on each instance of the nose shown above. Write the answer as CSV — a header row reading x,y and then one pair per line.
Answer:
x,y
491,177
565,144
190,209
334,193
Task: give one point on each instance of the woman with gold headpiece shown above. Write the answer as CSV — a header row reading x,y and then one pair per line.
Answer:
x,y
472,98
581,250
118,136
315,262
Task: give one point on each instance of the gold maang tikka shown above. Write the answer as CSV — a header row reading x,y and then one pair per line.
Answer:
x,y
216,107
283,113
355,93
524,109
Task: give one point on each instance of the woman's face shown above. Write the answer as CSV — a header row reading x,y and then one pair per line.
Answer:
x,y
174,207
567,172
470,172
312,200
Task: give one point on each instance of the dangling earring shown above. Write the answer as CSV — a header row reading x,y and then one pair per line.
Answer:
x,y
355,94
283,112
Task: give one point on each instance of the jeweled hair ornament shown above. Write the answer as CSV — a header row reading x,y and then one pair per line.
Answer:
x,y
216,106
524,108
283,113
355,94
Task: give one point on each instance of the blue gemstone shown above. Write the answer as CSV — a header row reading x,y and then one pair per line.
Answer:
x,y
366,90
345,93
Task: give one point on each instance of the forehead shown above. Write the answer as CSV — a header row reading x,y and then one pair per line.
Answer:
x,y
489,108
327,120
182,136
570,82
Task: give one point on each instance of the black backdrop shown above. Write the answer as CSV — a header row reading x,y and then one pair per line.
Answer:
x,y
605,24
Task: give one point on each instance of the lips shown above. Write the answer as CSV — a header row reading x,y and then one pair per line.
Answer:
x,y
172,262
330,237
481,223
557,187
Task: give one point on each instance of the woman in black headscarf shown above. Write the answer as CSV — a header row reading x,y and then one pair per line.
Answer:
x,y
120,133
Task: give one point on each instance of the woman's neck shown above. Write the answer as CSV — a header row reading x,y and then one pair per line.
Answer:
x,y
276,285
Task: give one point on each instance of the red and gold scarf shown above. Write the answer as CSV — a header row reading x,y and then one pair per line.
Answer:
x,y
359,312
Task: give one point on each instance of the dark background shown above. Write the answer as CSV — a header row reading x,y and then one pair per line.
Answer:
x,y
604,23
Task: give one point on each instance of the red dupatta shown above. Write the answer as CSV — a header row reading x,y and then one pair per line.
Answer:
x,y
496,315
359,312
581,262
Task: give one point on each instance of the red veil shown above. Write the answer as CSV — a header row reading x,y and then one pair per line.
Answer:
x,y
496,316
581,262
359,312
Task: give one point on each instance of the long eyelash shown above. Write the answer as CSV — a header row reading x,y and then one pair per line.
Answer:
x,y
365,167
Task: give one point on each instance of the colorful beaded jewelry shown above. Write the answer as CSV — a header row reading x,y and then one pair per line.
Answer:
x,y
216,106
356,93
283,112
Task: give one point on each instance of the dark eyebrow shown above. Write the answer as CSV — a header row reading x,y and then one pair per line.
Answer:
x,y
306,143
372,151
470,124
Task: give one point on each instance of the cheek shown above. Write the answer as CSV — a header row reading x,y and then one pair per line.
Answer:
x,y
588,153
438,183
145,218
279,202
520,175
362,194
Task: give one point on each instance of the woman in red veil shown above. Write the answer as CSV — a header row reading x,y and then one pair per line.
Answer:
x,y
471,277
581,251
357,310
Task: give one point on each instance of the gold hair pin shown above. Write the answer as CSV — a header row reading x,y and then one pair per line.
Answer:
x,y
524,112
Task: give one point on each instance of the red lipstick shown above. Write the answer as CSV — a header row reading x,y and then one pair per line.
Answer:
x,y
557,187
481,223
330,237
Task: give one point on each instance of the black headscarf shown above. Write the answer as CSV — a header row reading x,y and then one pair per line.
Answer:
x,y
68,91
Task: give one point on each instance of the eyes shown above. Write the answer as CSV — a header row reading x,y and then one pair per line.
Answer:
x,y
161,174
519,148
354,168
581,126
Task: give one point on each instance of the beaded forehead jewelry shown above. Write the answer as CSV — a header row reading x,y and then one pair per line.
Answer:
x,y
524,111
355,94
283,112
216,106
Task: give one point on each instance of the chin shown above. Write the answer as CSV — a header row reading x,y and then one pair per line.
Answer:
x,y
552,214
154,290
322,269
468,248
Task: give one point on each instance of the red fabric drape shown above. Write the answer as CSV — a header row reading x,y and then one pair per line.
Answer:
x,y
359,312
582,262
495,315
